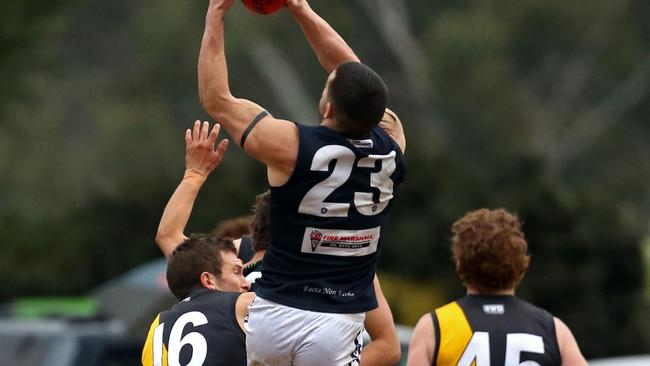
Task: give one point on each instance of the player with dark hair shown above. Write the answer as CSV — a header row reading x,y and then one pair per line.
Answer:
x,y
233,228
332,188
203,272
490,325
201,159
205,275
200,261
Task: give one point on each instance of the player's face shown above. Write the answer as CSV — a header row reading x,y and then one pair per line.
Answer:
x,y
322,104
232,277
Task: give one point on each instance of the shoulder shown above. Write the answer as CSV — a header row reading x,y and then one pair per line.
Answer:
x,y
423,341
426,321
244,300
424,328
569,350
155,323
561,329
274,142
386,143
451,309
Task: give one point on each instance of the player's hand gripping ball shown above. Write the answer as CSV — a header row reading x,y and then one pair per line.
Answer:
x,y
264,6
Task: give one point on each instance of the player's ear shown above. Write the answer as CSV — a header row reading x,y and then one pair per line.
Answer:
x,y
328,110
208,280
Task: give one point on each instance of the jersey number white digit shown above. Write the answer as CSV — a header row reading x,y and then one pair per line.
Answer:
x,y
177,341
314,201
478,349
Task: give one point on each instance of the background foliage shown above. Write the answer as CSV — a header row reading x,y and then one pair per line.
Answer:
x,y
539,106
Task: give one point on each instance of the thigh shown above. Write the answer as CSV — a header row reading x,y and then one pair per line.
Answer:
x,y
271,333
331,340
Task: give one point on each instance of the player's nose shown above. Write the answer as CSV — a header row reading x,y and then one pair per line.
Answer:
x,y
245,285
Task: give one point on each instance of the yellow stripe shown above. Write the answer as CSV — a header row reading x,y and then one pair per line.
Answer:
x,y
147,350
455,334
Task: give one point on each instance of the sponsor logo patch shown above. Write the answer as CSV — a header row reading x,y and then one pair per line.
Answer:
x,y
315,236
340,242
494,309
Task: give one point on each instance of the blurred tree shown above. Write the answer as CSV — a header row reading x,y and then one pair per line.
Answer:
x,y
22,24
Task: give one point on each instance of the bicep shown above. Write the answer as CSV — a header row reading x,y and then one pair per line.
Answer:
x,y
422,344
235,114
379,323
272,141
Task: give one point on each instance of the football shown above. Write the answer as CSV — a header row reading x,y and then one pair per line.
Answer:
x,y
264,6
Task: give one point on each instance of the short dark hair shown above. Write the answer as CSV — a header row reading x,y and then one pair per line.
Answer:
x,y
358,96
233,228
490,250
261,224
197,254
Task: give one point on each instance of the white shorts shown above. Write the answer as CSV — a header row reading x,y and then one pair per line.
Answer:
x,y
279,335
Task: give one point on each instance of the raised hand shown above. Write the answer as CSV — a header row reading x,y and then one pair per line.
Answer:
x,y
223,5
200,154
295,4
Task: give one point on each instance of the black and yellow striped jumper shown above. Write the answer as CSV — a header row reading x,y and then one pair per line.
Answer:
x,y
200,330
499,330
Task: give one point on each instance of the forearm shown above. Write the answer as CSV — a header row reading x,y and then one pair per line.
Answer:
x,y
374,354
214,90
177,213
234,114
330,48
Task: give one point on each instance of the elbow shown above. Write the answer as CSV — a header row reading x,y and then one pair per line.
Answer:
x,y
393,351
164,236
216,104
394,355
161,238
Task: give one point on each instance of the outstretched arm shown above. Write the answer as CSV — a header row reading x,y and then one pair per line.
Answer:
x,y
201,158
273,142
384,348
329,46
332,50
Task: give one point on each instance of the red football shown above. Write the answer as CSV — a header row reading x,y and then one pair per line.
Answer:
x,y
264,6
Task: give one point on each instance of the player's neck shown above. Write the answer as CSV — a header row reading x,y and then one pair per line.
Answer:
x,y
331,124
473,291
